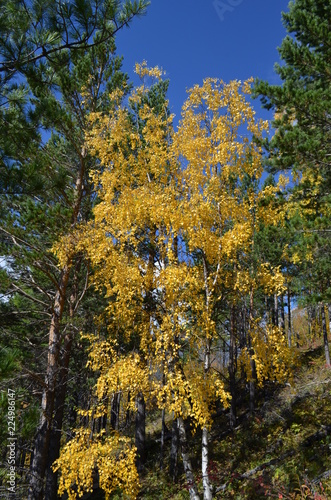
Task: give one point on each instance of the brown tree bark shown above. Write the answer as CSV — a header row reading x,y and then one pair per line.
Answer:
x,y
42,439
325,337
163,431
140,437
174,451
55,434
38,464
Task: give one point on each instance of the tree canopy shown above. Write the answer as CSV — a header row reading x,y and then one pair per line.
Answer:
x,y
157,289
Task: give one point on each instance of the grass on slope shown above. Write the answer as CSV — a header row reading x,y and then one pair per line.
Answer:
x,y
284,451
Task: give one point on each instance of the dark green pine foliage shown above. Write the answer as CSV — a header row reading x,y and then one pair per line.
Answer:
x,y
43,35
303,99
38,30
301,144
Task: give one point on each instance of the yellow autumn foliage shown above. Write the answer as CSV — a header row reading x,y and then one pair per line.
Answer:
x,y
172,235
273,358
112,456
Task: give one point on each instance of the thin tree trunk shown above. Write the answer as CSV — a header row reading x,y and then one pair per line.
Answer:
x,y
325,337
193,490
115,411
266,309
207,493
252,387
163,431
128,414
252,361
289,319
140,438
232,371
276,310
282,314
174,451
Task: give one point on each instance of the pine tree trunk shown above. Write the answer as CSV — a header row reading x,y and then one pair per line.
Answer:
x,y
140,438
224,360
325,337
193,490
40,453
38,464
55,435
174,451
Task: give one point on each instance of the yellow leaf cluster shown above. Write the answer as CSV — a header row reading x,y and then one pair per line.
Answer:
x,y
273,358
112,456
143,70
271,279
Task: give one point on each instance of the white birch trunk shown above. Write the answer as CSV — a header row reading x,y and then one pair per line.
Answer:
x,y
193,490
207,493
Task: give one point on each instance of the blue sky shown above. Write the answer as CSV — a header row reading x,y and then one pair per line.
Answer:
x,y
195,39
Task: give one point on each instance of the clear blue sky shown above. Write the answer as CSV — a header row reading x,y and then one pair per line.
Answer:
x,y
195,39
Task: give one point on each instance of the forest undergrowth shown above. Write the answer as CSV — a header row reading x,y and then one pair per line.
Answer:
x,y
283,451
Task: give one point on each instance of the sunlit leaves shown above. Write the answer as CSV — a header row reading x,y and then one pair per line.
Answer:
x,y
172,236
113,457
273,358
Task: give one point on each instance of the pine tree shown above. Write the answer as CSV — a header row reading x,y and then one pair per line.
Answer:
x,y
31,34
45,193
301,143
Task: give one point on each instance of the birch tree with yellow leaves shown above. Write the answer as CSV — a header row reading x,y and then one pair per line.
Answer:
x,y
218,219
172,239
